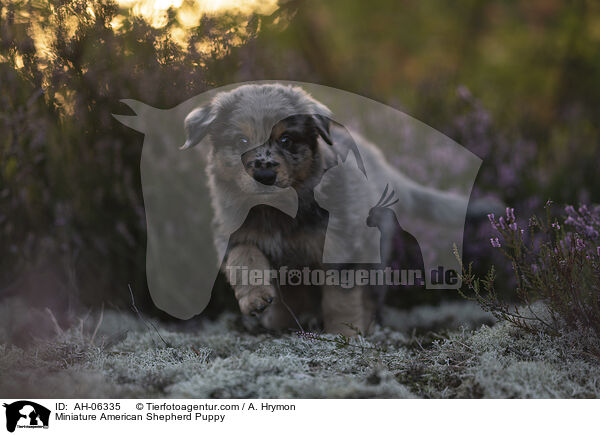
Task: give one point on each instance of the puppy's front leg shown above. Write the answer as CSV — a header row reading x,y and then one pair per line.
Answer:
x,y
343,307
253,299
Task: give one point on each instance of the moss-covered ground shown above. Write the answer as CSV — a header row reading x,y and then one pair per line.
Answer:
x,y
446,351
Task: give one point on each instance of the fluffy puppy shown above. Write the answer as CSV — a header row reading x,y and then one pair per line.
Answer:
x,y
278,137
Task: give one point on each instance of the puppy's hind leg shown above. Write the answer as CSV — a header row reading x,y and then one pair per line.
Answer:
x,y
347,310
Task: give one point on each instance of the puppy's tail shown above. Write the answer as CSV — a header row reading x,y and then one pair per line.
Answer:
x,y
437,206
442,207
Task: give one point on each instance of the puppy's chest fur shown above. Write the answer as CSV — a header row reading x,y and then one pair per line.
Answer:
x,y
285,241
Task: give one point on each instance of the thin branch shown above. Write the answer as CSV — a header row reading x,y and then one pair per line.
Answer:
x,y
286,305
98,324
148,324
57,327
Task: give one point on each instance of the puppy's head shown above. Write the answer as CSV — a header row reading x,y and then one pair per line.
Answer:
x,y
261,135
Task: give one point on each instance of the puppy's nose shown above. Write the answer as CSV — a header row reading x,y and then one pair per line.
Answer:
x,y
265,176
261,163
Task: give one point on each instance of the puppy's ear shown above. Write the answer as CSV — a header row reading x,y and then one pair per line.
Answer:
x,y
196,125
322,123
322,117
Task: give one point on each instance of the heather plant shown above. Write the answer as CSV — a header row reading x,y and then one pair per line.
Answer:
x,y
556,264
71,203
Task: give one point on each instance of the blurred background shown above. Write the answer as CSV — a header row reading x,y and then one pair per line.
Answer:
x,y
514,82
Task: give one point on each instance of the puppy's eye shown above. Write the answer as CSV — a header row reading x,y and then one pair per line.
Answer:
x,y
285,141
241,141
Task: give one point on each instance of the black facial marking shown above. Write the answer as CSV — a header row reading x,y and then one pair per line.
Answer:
x,y
299,132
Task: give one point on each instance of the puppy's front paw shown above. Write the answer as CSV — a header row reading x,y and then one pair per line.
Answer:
x,y
257,299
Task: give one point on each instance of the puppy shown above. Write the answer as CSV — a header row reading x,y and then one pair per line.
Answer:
x,y
285,140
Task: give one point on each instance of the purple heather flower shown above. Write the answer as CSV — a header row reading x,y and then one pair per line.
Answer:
x,y
579,244
513,226
510,214
556,225
598,250
502,223
591,232
463,92
491,217
495,242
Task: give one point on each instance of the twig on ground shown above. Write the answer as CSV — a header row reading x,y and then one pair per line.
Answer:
x,y
416,340
147,323
97,325
287,306
340,340
57,327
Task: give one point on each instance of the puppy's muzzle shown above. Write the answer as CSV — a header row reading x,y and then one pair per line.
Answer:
x,y
263,169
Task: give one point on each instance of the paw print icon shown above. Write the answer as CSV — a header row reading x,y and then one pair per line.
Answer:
x,y
294,277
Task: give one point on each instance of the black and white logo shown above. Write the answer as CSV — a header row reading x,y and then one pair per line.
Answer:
x,y
26,414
